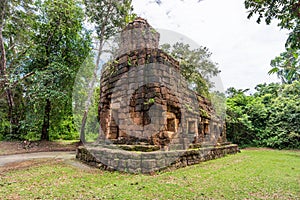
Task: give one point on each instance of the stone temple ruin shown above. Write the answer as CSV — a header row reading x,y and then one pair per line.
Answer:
x,y
149,119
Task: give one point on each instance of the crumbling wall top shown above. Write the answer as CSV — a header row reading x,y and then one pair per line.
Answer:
x,y
137,23
138,34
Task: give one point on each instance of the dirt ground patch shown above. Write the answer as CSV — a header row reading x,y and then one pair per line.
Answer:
x,y
9,148
28,160
24,154
25,164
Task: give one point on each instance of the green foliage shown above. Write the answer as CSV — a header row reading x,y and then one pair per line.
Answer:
x,y
270,117
287,12
82,81
4,122
150,101
287,66
4,128
108,16
92,124
239,127
15,33
218,100
61,45
46,44
195,65
80,95
65,129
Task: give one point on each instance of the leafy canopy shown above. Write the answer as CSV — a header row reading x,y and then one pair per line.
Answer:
x,y
108,16
287,66
287,12
269,118
195,65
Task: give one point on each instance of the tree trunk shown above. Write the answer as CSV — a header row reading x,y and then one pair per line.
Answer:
x,y
46,123
83,123
4,76
90,94
14,122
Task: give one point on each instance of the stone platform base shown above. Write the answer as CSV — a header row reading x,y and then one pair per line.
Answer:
x,y
114,159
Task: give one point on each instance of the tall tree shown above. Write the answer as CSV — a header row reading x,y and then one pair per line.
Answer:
x,y
61,45
195,65
109,17
15,19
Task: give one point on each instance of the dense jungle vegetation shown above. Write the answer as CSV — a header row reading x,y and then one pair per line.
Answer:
x,y
44,44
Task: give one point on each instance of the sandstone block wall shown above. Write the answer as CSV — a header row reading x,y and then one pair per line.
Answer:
x,y
146,105
143,97
148,162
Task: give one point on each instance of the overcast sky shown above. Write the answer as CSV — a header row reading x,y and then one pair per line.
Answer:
x,y
242,48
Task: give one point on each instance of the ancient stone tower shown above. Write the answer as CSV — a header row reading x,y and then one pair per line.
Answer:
x,y
144,99
149,118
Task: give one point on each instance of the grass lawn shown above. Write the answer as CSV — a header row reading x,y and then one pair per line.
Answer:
x,y
252,174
